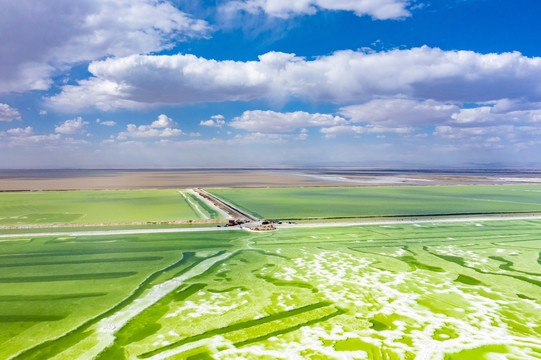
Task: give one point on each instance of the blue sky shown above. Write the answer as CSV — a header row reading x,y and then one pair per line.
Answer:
x,y
387,83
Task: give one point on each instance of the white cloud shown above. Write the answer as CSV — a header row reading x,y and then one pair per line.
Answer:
x,y
72,141
71,127
43,112
163,122
343,77
260,138
508,105
26,137
163,127
475,115
349,130
303,135
272,121
405,116
106,123
493,125
44,36
378,9
397,112
7,113
489,115
27,131
126,82
214,121
145,131
35,140
465,133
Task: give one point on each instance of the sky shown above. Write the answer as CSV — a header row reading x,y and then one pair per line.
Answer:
x,y
270,83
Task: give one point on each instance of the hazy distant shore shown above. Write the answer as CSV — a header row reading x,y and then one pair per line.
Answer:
x,y
33,180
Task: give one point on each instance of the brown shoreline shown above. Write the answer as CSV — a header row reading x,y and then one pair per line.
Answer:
x,y
64,180
118,180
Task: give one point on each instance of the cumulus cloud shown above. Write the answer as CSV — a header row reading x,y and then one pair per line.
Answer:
x,y
163,127
451,132
49,139
377,9
72,127
7,113
481,137
272,121
140,80
214,121
27,131
502,118
260,138
106,123
397,112
26,137
145,131
39,37
163,122
509,105
349,130
303,135
489,115
520,136
343,77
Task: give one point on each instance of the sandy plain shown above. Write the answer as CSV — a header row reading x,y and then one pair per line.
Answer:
x,y
147,179
35,180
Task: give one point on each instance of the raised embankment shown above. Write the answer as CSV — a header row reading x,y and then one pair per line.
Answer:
x,y
228,208
71,225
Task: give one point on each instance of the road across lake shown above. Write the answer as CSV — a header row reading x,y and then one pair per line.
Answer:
x,y
283,226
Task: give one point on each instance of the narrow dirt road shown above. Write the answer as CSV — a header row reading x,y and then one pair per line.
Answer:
x,y
283,226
